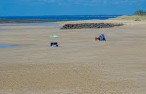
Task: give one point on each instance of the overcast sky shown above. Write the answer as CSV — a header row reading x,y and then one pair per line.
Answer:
x,y
70,7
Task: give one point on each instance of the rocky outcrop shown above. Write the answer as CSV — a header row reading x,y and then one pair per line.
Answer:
x,y
89,25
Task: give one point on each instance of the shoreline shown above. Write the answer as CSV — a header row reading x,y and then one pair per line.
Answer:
x,y
17,21
119,18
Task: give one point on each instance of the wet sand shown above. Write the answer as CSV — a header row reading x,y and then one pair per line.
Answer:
x,y
80,65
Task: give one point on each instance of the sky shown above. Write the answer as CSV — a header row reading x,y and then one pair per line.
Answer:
x,y
70,7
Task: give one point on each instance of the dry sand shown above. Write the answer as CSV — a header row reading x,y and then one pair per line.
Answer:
x,y
80,65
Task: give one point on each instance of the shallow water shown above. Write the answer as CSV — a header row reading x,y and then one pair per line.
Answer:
x,y
42,24
59,27
7,45
63,17
31,24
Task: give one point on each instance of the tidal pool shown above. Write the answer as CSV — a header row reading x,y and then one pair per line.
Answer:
x,y
7,45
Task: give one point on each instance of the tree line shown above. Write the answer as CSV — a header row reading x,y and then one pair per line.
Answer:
x,y
140,12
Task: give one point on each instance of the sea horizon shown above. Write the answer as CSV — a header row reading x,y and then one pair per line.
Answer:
x,y
62,17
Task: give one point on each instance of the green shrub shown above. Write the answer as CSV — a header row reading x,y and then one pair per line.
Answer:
x,y
137,19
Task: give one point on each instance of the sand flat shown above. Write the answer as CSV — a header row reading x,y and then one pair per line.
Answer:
x,y
80,65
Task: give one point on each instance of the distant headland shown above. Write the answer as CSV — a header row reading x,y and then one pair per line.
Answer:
x,y
138,15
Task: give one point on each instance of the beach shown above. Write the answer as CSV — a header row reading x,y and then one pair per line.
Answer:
x,y
80,65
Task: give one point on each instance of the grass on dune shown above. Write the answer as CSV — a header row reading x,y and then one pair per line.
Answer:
x,y
132,18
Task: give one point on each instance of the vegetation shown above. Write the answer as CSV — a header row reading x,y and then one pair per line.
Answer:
x,y
130,18
137,19
140,13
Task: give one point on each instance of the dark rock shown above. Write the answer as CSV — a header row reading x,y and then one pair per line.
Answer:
x,y
89,25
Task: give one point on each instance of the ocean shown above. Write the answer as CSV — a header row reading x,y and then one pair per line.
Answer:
x,y
63,17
